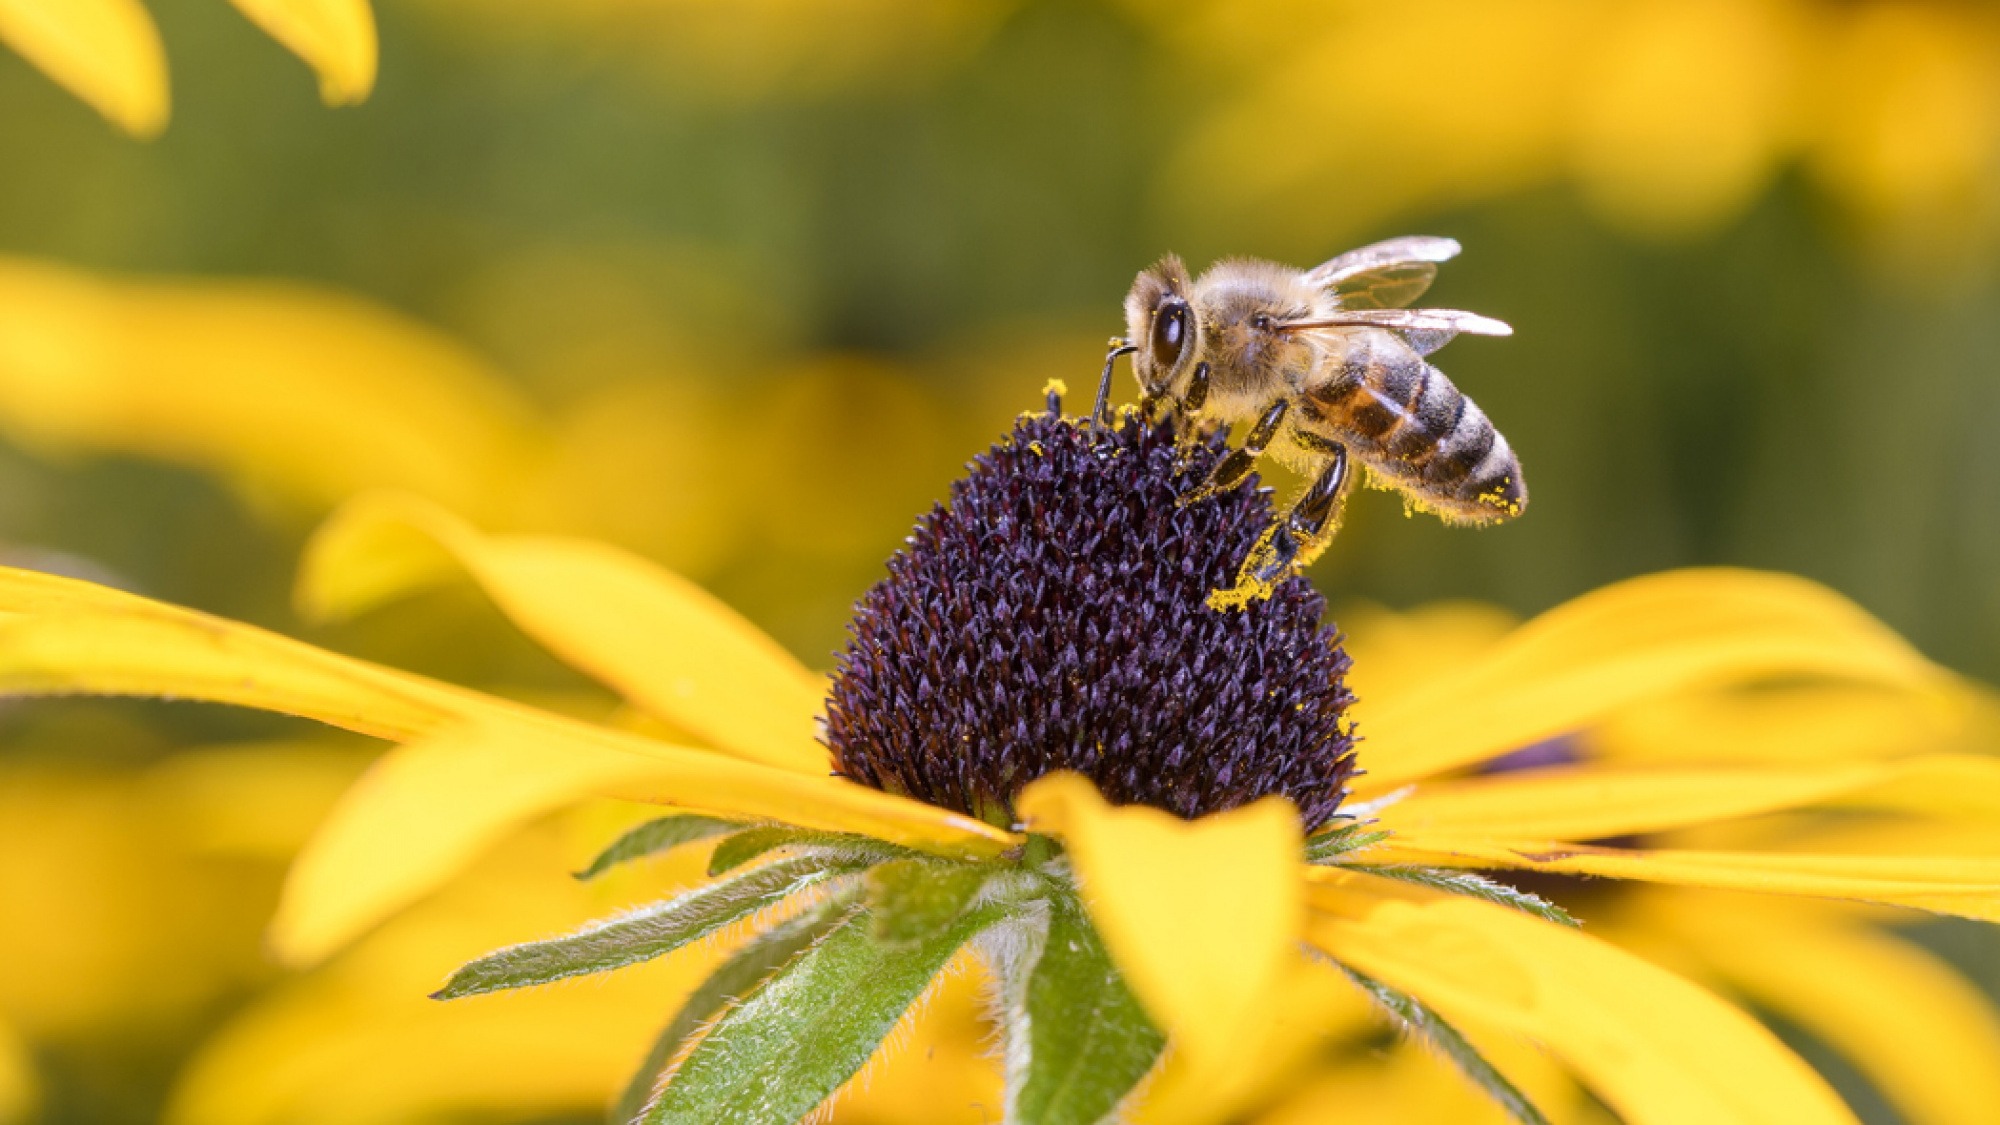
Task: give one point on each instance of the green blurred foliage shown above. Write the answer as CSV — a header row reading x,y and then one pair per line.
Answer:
x,y
778,321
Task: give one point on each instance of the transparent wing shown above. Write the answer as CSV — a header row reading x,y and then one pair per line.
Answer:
x,y
1424,330
1385,275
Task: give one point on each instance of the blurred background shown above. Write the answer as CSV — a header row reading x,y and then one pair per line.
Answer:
x,y
740,286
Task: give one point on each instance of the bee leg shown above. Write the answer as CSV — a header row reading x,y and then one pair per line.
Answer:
x,y
1231,470
1102,411
1291,543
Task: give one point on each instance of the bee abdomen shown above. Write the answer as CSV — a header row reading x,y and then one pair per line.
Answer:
x,y
1458,460
1476,468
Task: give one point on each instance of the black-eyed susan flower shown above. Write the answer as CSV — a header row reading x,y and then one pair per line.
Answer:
x,y
1202,915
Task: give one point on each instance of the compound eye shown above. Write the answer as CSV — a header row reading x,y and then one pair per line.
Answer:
x,y
1170,330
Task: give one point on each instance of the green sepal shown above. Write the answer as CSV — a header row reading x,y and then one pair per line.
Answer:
x,y
911,899
747,969
1471,886
1448,1041
1330,846
772,1058
655,836
638,935
1089,1043
754,843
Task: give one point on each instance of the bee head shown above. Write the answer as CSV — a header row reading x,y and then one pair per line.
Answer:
x,y
1162,325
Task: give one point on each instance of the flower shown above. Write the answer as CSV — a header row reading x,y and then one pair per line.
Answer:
x,y
1201,918
1917,1030
108,52
1671,119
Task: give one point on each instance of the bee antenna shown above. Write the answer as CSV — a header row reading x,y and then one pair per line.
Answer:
x,y
1102,411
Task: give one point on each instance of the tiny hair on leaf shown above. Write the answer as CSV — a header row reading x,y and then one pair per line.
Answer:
x,y
637,935
656,836
1472,886
1448,1041
755,843
736,980
1331,846
1089,1044
771,1059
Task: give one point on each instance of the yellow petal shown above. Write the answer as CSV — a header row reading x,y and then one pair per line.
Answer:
x,y
1628,642
1968,886
106,52
18,1093
356,1042
1796,722
299,394
420,815
1660,1050
1201,916
66,636
61,636
1598,801
426,809
335,37
663,642
1315,1007
1409,1084
1923,1034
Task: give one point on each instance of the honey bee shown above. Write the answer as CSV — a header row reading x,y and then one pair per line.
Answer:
x,y
1329,363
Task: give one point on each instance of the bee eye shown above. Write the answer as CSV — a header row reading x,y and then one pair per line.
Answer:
x,y
1169,335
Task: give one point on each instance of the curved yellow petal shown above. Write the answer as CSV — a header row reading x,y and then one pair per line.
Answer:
x,y
1658,1049
335,37
1202,916
1628,642
18,1088
298,394
661,641
419,816
427,808
1314,1007
492,765
60,636
106,52
1804,722
357,1042
1599,801
1922,1033
1968,886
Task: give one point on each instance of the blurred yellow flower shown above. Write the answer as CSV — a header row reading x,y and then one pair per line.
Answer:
x,y
474,768
108,52
1669,116
295,394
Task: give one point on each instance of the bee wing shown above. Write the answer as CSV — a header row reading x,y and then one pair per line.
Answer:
x,y
1386,275
1425,330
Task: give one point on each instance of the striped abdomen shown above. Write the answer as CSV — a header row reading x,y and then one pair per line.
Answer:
x,y
1405,420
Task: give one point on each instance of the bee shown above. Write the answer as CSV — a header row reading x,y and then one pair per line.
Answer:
x,y
1329,364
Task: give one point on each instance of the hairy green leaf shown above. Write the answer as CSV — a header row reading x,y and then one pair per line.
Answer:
x,y
911,899
638,935
753,843
740,976
1452,1044
1330,846
1089,1043
655,836
775,1056
1472,886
